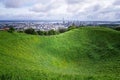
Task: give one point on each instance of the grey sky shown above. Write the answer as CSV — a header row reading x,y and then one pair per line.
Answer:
x,y
57,9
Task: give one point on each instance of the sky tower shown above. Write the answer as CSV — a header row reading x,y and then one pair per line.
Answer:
x,y
63,21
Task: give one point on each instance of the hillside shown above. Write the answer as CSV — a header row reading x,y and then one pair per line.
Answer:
x,y
80,54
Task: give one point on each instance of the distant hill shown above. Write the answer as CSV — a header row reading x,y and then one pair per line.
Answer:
x,y
89,53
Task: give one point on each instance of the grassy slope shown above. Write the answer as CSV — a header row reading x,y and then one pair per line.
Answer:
x,y
80,54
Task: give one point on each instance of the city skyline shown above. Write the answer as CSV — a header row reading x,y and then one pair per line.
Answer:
x,y
91,10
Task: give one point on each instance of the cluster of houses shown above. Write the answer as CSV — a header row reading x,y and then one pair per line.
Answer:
x,y
35,26
38,27
4,29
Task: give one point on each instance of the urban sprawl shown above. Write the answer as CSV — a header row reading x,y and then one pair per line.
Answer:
x,y
46,26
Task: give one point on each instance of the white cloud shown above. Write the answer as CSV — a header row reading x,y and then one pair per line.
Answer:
x,y
14,3
57,9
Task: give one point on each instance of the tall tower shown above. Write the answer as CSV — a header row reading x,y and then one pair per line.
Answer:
x,y
63,21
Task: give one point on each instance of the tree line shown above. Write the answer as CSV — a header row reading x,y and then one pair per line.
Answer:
x,y
40,32
50,32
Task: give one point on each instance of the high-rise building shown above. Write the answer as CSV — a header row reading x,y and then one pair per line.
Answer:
x,y
63,21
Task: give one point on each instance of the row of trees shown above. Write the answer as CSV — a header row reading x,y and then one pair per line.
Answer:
x,y
32,31
50,32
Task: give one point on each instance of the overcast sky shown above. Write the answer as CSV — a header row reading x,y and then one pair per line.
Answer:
x,y
58,9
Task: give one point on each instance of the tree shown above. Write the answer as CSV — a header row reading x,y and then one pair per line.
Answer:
x,y
41,32
117,28
71,27
45,32
30,31
52,32
62,30
11,30
20,31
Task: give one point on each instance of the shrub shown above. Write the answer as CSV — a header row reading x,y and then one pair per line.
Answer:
x,y
30,31
45,32
118,28
20,31
11,30
52,32
41,32
72,27
62,30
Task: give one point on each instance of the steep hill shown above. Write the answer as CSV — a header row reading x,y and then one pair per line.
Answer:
x,y
90,53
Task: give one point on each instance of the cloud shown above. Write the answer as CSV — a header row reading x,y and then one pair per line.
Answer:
x,y
74,1
77,9
116,2
53,4
97,10
14,3
24,16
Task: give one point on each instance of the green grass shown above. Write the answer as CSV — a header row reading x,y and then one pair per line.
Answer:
x,y
80,54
